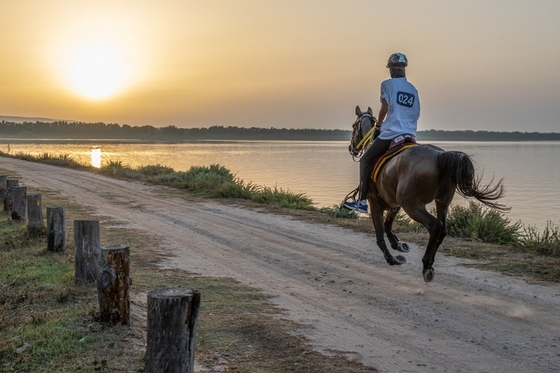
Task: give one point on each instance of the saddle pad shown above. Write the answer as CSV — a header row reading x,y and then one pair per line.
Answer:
x,y
394,148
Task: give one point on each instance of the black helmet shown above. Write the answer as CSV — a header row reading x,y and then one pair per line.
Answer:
x,y
397,60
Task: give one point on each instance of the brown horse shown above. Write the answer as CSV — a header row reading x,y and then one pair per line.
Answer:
x,y
412,179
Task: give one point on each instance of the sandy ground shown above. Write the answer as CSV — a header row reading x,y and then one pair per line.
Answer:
x,y
337,282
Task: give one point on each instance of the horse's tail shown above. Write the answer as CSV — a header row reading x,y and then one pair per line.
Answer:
x,y
458,168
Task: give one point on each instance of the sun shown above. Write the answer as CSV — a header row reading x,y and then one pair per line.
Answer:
x,y
96,70
97,55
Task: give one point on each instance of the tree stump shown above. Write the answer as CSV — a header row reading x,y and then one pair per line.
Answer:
x,y
35,226
113,283
19,205
56,229
8,201
172,321
87,250
3,187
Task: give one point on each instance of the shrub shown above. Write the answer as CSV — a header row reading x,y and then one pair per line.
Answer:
x,y
155,170
205,180
481,223
545,243
235,189
117,168
282,198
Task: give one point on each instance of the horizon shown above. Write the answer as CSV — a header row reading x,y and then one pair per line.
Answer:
x,y
23,120
481,66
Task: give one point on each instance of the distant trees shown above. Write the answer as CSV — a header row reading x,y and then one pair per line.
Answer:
x,y
438,135
82,130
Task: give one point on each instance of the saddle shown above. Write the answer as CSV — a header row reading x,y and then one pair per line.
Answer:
x,y
396,146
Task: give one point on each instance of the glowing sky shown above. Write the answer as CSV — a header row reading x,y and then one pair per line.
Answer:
x,y
480,65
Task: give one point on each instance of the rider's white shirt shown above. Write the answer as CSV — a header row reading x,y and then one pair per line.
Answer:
x,y
404,108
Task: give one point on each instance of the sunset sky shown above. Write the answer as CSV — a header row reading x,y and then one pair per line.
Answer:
x,y
480,65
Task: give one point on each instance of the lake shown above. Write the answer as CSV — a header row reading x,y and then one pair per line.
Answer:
x,y
326,172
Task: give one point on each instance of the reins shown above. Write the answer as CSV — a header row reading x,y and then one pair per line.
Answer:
x,y
358,150
366,141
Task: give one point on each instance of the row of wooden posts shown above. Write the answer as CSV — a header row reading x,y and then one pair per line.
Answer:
x,y
172,313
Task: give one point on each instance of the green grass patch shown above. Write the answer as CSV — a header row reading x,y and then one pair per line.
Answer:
x,y
44,316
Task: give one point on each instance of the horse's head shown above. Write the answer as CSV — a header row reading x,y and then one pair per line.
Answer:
x,y
363,124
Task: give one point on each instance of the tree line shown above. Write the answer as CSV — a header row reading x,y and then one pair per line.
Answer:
x,y
82,130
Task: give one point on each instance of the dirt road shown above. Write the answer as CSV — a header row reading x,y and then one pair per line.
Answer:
x,y
337,281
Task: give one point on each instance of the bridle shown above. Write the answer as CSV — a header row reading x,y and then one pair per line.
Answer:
x,y
363,141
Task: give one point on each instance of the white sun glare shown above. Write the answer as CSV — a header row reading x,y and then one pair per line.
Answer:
x,y
96,56
96,70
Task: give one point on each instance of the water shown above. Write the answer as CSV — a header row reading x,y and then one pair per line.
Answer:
x,y
325,171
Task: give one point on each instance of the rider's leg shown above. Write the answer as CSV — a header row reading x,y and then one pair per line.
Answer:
x,y
376,150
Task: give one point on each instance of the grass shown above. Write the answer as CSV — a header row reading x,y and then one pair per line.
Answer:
x,y
48,323
44,316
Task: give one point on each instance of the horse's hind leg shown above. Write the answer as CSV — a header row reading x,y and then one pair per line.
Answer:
x,y
441,209
435,228
395,243
377,219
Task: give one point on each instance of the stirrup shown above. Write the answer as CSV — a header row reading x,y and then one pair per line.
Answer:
x,y
350,197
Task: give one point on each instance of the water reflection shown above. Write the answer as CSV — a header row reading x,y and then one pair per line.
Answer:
x,y
96,157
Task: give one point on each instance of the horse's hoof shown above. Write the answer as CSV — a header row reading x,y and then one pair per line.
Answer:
x,y
403,247
428,274
399,259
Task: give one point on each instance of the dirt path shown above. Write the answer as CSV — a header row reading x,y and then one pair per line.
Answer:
x,y
337,281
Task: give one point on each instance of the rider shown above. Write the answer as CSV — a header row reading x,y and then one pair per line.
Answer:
x,y
398,115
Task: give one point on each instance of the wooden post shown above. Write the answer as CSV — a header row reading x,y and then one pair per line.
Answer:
x,y
35,226
87,250
113,283
56,229
8,201
3,187
19,206
172,321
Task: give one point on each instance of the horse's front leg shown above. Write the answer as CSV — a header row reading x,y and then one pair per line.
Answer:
x,y
377,219
395,243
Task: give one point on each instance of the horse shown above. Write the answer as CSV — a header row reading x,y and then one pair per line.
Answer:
x,y
412,179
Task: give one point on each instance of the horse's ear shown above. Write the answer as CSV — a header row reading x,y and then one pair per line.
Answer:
x,y
358,110
369,110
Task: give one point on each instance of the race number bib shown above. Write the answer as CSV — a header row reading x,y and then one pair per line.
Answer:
x,y
405,99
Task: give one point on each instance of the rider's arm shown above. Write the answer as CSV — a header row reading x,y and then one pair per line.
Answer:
x,y
383,110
